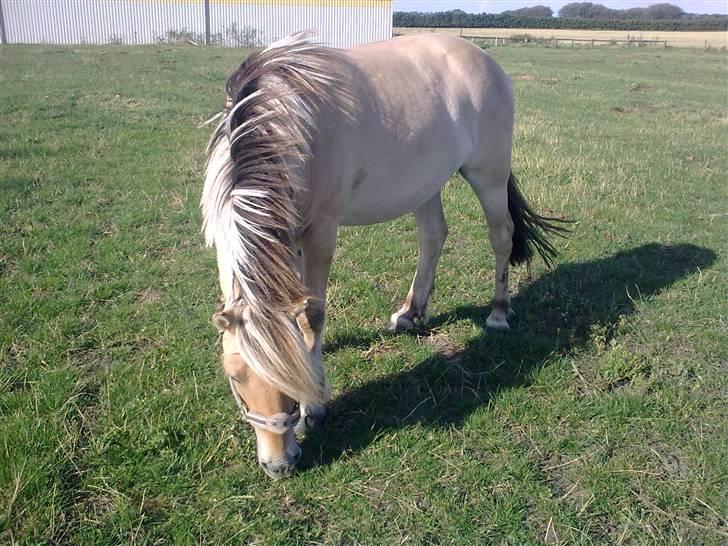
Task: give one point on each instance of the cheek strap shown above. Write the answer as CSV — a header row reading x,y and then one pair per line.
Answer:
x,y
279,423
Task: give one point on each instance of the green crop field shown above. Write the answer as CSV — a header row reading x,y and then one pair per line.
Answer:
x,y
600,419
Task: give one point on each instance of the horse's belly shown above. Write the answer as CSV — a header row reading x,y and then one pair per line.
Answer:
x,y
384,199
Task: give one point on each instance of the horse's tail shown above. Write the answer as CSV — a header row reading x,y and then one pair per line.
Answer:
x,y
531,230
249,208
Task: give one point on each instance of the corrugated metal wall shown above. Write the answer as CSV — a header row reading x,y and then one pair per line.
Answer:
x,y
340,23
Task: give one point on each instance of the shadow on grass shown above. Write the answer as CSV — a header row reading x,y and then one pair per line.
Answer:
x,y
555,315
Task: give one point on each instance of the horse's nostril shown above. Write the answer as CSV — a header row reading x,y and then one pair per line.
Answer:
x,y
281,470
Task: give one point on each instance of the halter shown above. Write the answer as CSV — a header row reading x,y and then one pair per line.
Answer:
x,y
278,423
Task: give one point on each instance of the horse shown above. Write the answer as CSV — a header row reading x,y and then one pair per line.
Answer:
x,y
311,138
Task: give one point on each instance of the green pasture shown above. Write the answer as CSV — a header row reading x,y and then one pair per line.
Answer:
x,y
600,419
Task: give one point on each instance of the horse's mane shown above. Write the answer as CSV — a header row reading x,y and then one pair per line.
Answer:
x,y
253,174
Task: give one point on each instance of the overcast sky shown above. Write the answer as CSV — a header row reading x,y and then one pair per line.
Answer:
x,y
496,6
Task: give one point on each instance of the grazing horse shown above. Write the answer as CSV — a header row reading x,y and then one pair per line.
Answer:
x,y
312,138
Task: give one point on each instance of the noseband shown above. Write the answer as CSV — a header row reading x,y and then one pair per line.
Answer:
x,y
279,423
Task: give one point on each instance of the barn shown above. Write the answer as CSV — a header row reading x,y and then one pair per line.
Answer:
x,y
234,23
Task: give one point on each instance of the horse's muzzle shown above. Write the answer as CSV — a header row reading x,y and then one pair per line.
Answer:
x,y
281,469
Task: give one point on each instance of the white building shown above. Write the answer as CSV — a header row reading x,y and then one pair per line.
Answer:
x,y
340,23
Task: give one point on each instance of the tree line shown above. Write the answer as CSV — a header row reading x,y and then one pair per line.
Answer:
x,y
654,12
577,15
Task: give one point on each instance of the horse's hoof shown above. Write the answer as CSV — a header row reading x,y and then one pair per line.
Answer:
x,y
400,323
311,417
497,324
407,322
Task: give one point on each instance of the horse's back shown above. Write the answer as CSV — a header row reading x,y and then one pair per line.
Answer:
x,y
443,63
423,106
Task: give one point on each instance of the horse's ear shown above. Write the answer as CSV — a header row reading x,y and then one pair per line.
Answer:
x,y
298,314
298,308
222,321
235,315
308,314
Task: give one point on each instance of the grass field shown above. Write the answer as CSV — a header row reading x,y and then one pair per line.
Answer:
x,y
674,38
600,419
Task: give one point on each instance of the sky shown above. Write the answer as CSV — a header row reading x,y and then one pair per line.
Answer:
x,y
496,6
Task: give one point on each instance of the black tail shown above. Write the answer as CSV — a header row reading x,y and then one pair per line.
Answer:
x,y
531,229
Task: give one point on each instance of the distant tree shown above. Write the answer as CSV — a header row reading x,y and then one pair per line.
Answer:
x,y
663,11
632,13
457,17
586,10
535,11
589,10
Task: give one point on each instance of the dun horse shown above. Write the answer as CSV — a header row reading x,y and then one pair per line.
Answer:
x,y
312,138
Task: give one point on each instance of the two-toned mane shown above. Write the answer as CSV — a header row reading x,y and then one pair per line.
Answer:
x,y
312,138
253,178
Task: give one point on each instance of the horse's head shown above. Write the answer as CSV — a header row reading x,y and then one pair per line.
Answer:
x,y
272,414
270,403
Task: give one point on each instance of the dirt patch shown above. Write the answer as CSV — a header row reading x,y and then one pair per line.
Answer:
x,y
444,345
532,78
643,109
381,348
583,383
149,296
671,460
92,359
640,88
97,505
8,264
119,102
563,479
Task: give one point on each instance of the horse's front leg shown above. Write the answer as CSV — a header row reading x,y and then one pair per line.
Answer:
x,y
431,235
317,244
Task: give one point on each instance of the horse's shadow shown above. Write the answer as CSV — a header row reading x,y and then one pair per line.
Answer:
x,y
558,313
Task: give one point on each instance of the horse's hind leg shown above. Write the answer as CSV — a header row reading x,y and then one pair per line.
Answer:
x,y
491,187
431,235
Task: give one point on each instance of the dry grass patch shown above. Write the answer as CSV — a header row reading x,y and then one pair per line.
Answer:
x,y
674,38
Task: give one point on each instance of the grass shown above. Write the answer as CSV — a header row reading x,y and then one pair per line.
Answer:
x,y
703,39
600,419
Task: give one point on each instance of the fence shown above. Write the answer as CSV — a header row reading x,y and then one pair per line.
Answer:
x,y
339,23
555,41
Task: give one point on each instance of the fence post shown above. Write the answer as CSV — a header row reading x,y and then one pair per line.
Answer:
x,y
207,22
3,36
